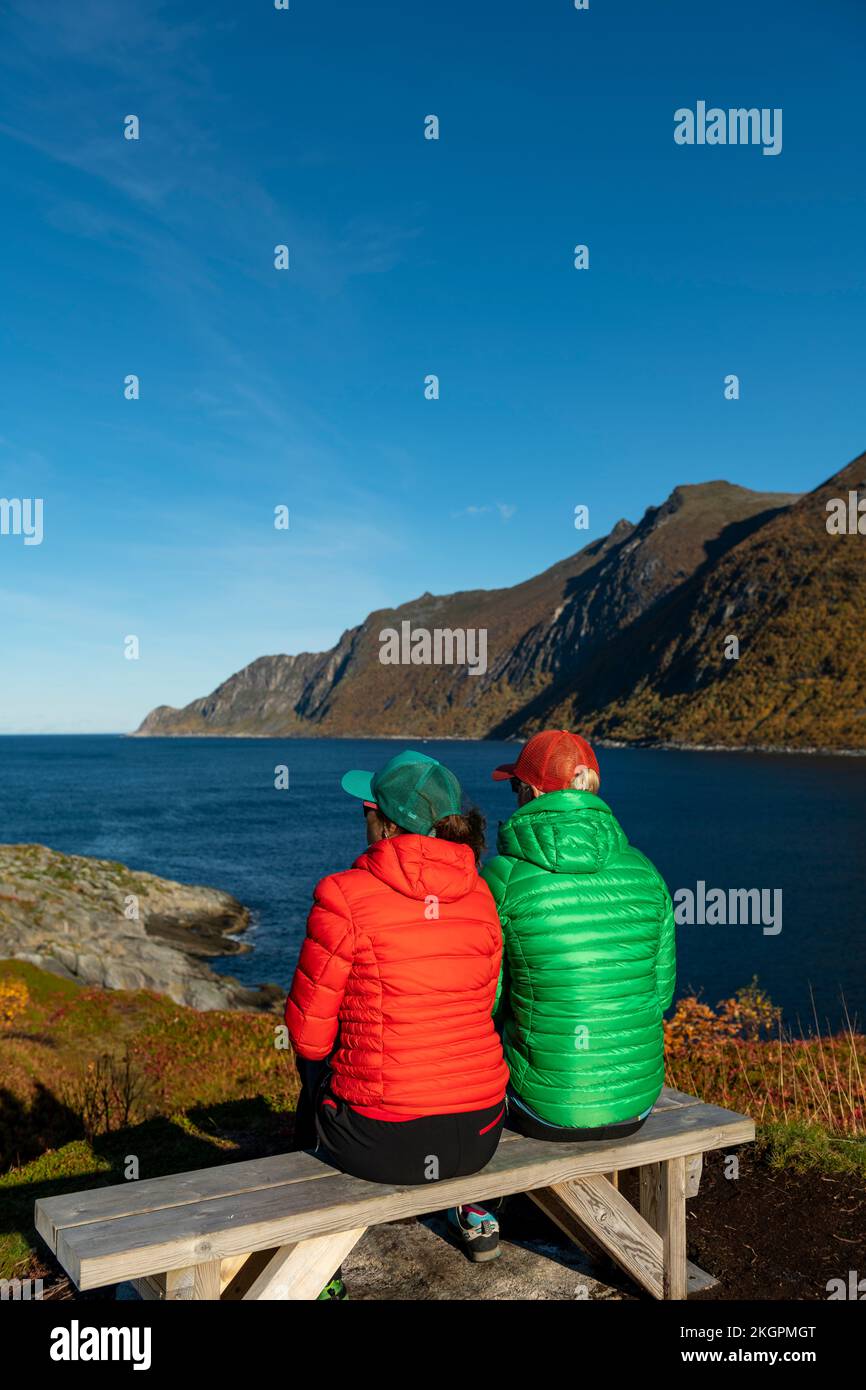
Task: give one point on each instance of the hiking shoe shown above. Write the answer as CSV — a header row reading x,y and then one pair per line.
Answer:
x,y
477,1232
335,1289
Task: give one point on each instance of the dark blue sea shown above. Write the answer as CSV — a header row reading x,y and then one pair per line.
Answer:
x,y
206,811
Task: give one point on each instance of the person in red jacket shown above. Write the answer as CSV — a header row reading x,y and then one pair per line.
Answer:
x,y
390,1010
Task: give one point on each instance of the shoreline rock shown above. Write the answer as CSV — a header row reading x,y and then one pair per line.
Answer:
x,y
96,922
674,745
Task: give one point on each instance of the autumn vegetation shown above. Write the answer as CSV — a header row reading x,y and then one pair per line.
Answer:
x,y
806,1094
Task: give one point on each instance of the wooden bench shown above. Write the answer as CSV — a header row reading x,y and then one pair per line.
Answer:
x,y
277,1228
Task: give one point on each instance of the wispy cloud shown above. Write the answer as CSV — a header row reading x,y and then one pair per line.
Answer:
x,y
154,66
504,510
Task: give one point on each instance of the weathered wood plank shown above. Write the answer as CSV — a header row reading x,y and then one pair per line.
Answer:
x,y
699,1279
201,1281
579,1235
672,1226
663,1206
694,1169
302,1270
650,1184
561,1216
179,1189
132,1247
598,1208
671,1099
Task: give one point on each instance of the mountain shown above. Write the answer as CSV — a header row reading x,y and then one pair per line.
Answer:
x,y
793,595
550,641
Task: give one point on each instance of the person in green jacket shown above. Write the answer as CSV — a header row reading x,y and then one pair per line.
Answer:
x,y
589,960
588,966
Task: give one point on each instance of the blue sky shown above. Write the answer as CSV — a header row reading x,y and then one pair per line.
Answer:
x,y
408,257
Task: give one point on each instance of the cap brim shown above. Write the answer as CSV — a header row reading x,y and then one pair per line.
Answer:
x,y
359,784
503,772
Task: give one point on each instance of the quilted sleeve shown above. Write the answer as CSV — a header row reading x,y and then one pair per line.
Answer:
x,y
313,1005
666,958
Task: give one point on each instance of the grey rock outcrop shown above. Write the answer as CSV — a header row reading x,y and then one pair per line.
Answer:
x,y
100,923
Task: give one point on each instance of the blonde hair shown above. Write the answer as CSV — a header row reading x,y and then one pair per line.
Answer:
x,y
586,779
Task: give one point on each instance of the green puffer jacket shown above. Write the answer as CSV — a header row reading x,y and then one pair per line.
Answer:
x,y
589,961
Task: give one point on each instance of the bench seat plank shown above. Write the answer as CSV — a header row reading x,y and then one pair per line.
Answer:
x,y
671,1099
173,1190
149,1242
224,1180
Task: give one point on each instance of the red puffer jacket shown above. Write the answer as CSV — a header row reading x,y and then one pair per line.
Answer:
x,y
402,958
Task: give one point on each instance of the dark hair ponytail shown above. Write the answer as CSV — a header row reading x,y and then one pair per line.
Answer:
x,y
466,829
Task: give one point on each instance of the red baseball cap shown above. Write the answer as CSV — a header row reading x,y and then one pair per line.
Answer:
x,y
549,761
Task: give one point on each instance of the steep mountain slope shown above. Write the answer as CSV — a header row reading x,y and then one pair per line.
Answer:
x,y
540,635
794,596
693,527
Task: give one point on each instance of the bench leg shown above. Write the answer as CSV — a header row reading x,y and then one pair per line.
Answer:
x,y
694,1169
594,1207
194,1282
301,1271
239,1271
151,1289
663,1206
230,1266
288,1272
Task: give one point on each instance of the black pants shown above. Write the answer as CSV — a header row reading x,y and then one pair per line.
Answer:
x,y
526,1124
403,1152
408,1152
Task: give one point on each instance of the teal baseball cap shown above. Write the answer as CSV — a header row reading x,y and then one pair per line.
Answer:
x,y
412,790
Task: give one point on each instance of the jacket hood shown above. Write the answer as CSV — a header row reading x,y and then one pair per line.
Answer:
x,y
420,866
567,832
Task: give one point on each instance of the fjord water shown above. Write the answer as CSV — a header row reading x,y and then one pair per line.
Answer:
x,y
207,811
